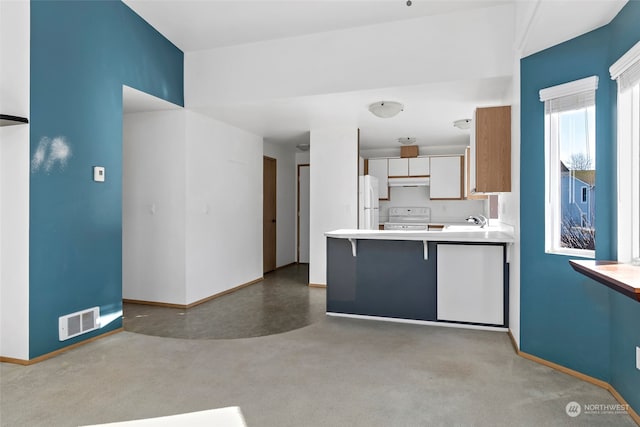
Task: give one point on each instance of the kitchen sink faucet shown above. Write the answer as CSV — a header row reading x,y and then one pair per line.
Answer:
x,y
478,219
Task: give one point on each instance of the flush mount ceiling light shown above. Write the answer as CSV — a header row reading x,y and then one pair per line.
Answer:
x,y
462,124
406,140
386,109
303,147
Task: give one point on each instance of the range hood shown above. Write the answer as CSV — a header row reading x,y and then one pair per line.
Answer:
x,y
409,182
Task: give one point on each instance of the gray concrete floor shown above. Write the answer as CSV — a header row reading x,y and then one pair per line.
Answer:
x,y
334,372
280,303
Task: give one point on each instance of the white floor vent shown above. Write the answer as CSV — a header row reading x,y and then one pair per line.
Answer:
x,y
78,323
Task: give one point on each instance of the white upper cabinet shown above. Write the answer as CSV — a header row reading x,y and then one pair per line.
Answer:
x,y
379,169
419,166
412,166
398,167
446,178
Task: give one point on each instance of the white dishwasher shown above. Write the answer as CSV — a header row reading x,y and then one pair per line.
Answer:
x,y
471,283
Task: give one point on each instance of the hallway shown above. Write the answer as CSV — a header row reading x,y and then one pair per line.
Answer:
x,y
281,302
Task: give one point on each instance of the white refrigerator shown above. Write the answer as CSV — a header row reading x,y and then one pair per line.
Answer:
x,y
368,211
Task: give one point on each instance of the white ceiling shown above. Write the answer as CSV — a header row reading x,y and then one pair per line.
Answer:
x,y
430,109
201,24
429,113
556,21
136,101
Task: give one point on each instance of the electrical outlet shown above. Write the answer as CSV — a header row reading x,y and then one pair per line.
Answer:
x,y
638,358
98,173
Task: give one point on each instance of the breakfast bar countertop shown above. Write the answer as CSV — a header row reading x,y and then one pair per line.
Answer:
x,y
448,234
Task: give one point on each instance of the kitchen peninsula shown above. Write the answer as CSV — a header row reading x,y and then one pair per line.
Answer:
x,y
454,277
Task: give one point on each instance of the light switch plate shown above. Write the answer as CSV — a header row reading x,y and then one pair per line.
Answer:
x,y
98,173
638,358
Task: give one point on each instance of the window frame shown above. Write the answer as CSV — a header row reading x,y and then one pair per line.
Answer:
x,y
628,175
553,175
626,72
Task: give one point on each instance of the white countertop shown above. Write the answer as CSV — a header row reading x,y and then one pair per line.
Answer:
x,y
477,234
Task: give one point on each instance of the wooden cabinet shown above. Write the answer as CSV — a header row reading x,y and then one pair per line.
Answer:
x,y
379,169
490,168
467,178
413,166
446,178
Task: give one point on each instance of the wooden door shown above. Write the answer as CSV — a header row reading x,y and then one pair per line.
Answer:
x,y
269,215
303,214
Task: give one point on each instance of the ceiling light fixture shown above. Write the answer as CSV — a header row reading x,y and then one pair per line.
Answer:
x,y
462,124
407,140
386,109
303,147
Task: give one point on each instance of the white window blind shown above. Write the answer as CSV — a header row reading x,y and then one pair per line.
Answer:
x,y
626,70
570,96
570,102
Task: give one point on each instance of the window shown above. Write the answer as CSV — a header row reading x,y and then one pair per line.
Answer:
x,y
626,71
570,167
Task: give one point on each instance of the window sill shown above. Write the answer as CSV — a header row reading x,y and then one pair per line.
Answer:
x,y
623,278
582,253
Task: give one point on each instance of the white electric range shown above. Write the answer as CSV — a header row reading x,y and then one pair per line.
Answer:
x,y
410,218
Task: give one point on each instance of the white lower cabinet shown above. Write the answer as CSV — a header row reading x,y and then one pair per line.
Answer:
x,y
470,283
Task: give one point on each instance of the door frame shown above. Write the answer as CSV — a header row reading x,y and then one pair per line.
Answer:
x,y
275,206
298,212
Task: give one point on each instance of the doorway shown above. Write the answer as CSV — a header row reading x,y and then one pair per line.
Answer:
x,y
269,180
303,213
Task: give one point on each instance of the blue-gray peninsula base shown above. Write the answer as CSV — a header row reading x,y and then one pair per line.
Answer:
x,y
431,277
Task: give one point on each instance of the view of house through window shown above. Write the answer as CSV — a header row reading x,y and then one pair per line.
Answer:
x,y
576,141
570,172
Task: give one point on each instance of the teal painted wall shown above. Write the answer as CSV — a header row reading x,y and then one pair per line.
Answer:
x,y
567,318
81,55
625,313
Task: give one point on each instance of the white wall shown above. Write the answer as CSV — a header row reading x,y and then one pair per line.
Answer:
x,y
441,210
192,207
14,181
316,63
333,192
286,193
303,158
224,207
509,204
153,206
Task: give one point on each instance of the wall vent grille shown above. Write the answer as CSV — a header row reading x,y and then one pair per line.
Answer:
x,y
78,323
